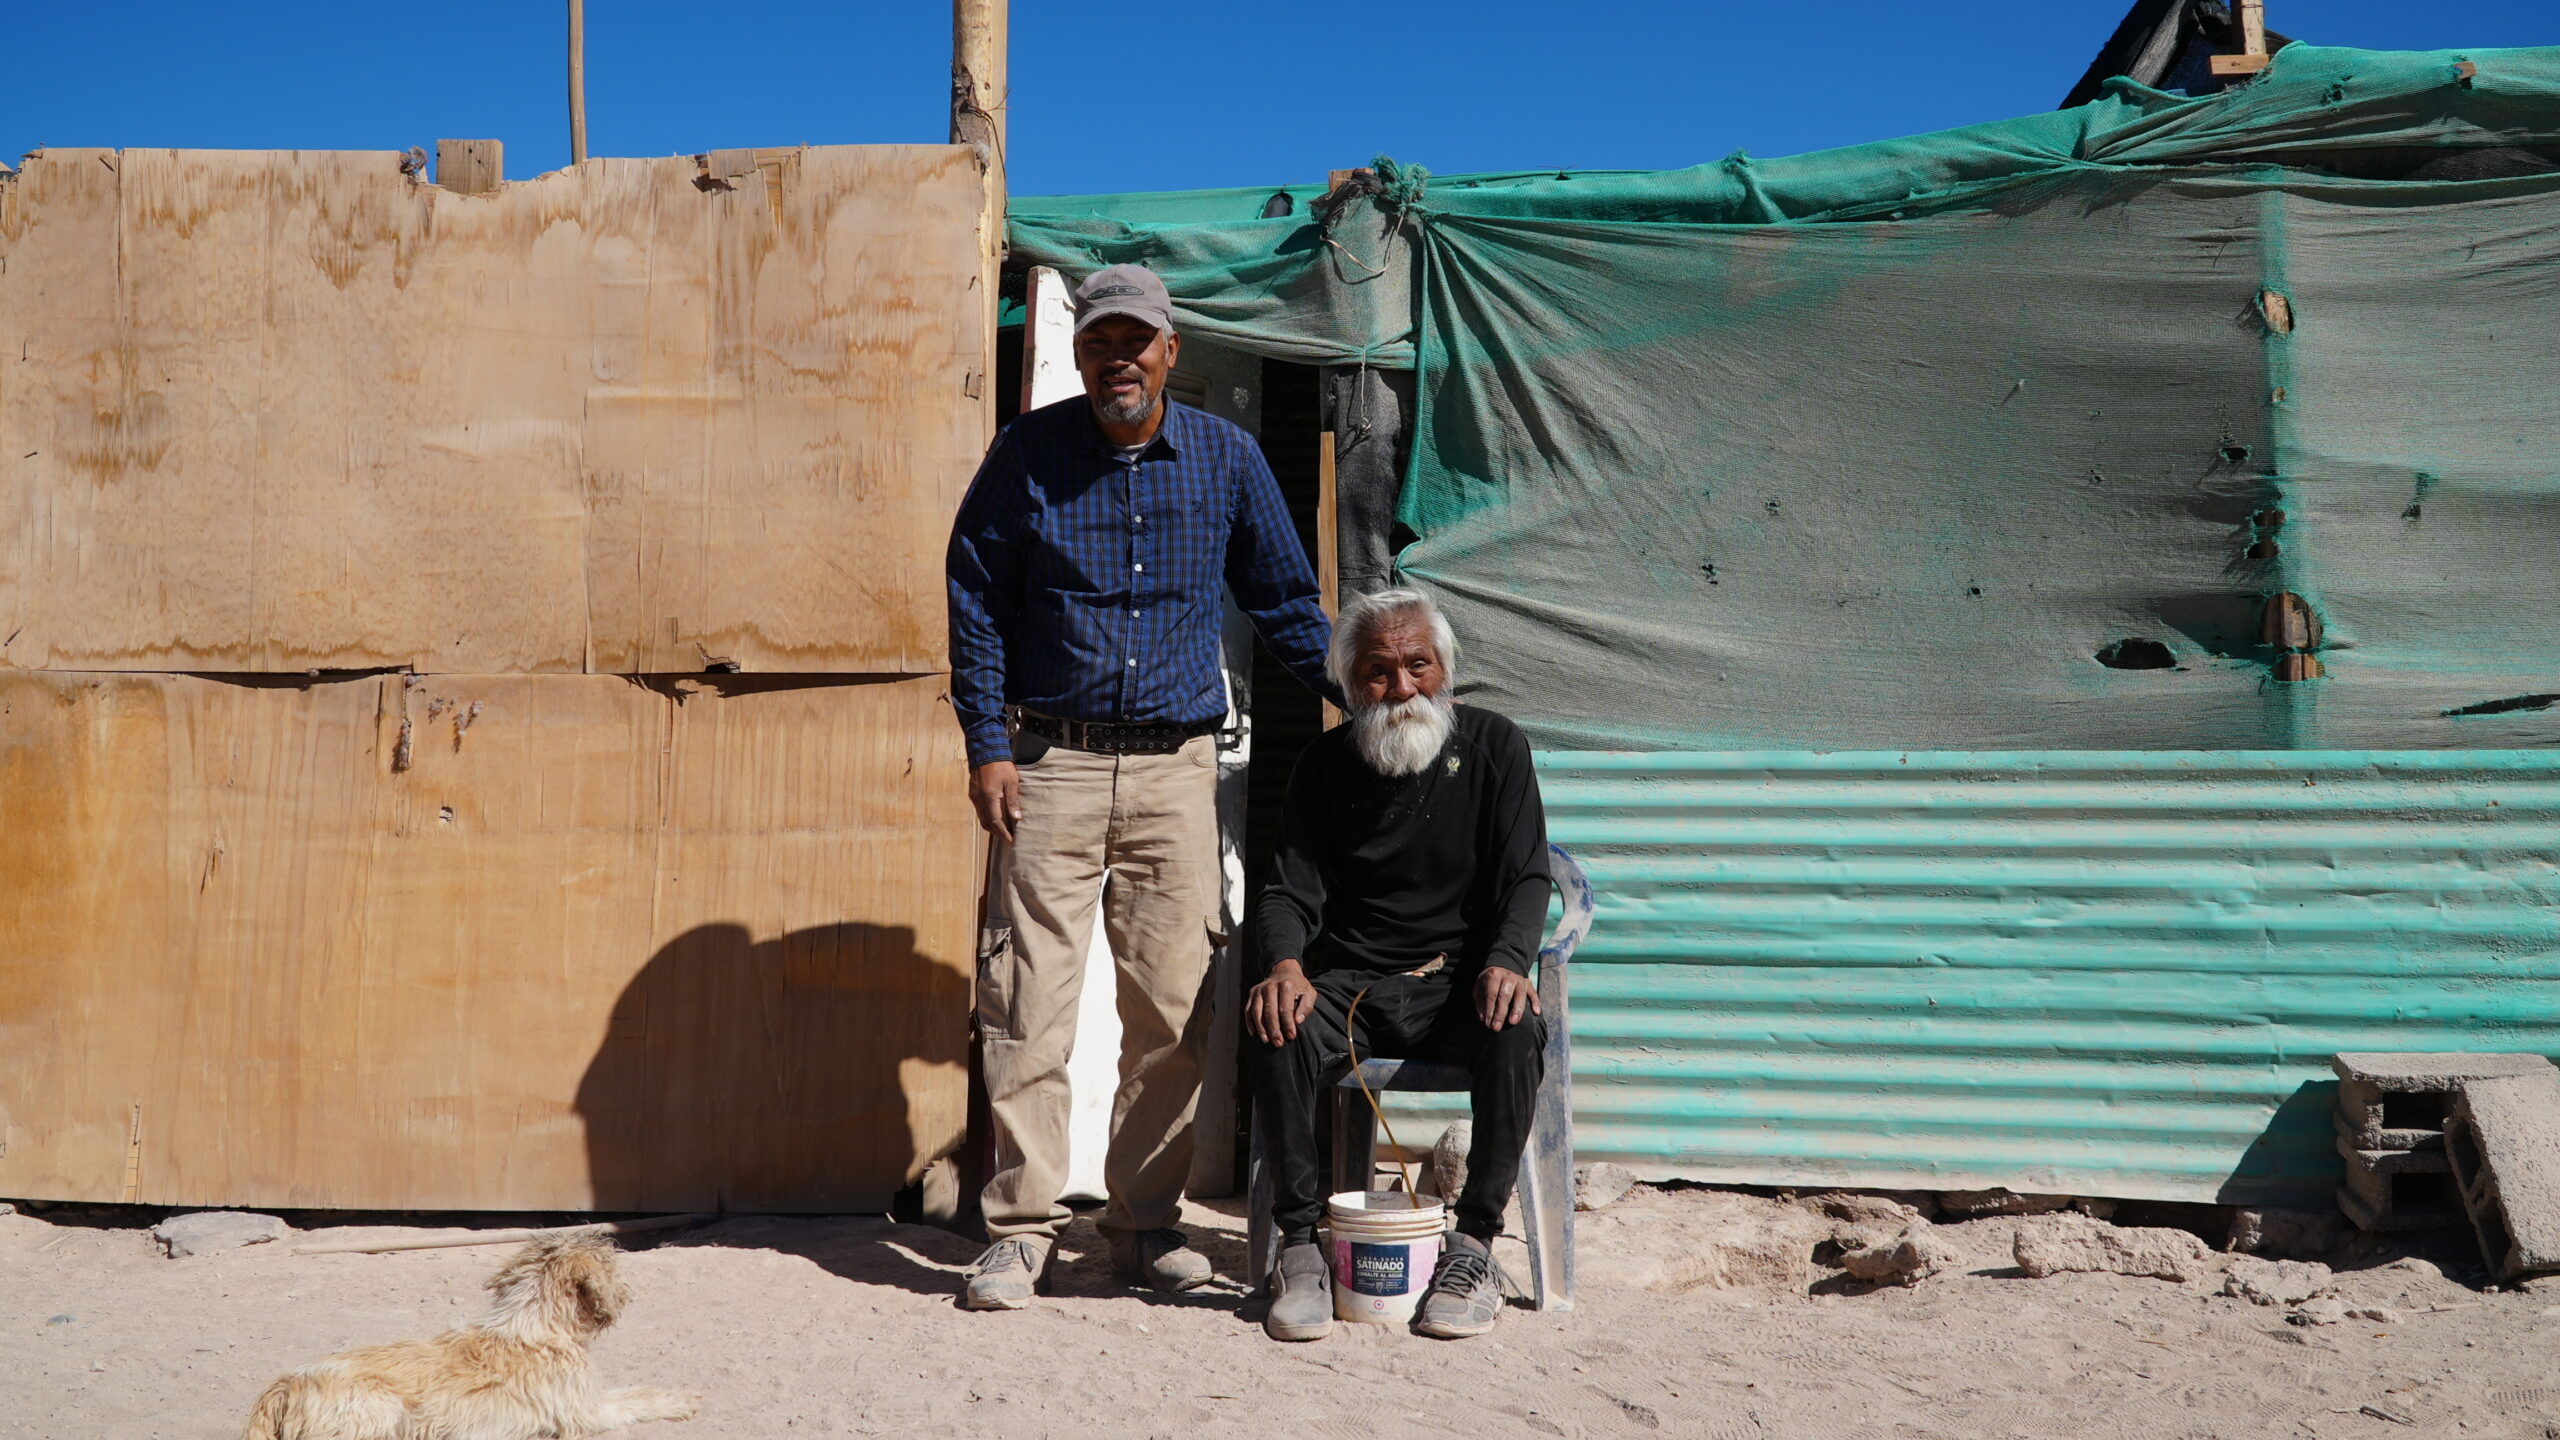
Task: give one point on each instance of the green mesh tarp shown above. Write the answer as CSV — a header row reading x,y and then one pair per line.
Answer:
x,y
1985,439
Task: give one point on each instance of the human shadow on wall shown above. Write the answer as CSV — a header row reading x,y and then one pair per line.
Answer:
x,y
776,1076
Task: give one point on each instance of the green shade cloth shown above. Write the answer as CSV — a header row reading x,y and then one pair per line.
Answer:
x,y
1886,447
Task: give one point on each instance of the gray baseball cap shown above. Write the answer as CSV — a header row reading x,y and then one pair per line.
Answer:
x,y
1131,290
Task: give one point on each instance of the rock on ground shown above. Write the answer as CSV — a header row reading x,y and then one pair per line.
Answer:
x,y
2056,1244
2275,1282
1861,1209
1676,1241
1974,1204
1908,1258
2287,1234
208,1232
2329,1310
1601,1183
1449,1158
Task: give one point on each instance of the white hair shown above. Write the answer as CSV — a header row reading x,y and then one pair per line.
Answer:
x,y
1361,618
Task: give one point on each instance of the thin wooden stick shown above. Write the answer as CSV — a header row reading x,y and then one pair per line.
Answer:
x,y
451,1239
577,81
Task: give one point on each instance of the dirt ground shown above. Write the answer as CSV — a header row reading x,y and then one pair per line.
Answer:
x,y
1702,1314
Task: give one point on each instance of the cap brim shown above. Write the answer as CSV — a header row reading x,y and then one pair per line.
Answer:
x,y
1152,315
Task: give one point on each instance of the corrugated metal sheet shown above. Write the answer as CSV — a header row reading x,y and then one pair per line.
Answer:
x,y
2098,973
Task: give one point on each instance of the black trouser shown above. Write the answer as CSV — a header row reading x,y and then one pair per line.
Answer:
x,y
1430,1017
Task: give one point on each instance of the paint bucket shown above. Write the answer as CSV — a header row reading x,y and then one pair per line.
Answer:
x,y
1385,1244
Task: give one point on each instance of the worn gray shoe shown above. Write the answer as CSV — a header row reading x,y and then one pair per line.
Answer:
x,y
1466,1294
1006,1276
1160,1260
1301,1295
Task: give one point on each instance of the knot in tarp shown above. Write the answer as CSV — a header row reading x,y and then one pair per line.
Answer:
x,y
1399,186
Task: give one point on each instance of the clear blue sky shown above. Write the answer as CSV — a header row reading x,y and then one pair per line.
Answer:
x,y
1106,97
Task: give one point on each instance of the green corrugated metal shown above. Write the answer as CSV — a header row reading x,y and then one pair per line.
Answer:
x,y
2087,972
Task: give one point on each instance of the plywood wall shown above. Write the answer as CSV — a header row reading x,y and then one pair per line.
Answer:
x,y
297,410
445,944
538,925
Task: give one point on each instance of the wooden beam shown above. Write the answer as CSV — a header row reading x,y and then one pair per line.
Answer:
x,y
2251,18
471,167
1328,547
1048,339
577,81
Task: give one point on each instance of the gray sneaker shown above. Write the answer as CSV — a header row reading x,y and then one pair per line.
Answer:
x,y
1466,1292
1301,1295
1006,1276
1160,1260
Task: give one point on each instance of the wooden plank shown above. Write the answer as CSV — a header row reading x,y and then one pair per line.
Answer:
x,y
1048,339
474,167
2250,19
322,417
1328,549
522,942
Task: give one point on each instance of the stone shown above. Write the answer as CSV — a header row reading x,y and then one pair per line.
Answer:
x,y
208,1232
7,1209
1975,1204
1600,1184
2283,1233
1907,1258
2323,1311
1671,1242
2055,1244
1449,1158
1857,1208
2502,1138
2275,1282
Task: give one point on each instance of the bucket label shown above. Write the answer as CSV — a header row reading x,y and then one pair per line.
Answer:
x,y
1380,1269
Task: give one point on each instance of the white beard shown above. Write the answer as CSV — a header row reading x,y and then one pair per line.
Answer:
x,y
1405,737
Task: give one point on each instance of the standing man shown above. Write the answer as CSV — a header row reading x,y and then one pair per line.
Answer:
x,y
1086,567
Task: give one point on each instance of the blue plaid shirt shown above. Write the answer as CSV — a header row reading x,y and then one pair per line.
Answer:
x,y
1087,586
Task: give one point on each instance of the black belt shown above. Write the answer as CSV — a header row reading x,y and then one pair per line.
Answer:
x,y
1113,737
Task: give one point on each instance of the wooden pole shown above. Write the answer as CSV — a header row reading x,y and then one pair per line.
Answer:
x,y
977,121
577,81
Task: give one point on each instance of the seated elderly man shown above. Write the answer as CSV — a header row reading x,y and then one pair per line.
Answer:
x,y
1412,867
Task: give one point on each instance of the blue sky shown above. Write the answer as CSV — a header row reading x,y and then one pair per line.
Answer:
x,y
1234,93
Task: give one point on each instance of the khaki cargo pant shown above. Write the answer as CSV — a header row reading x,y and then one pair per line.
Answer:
x,y
1140,834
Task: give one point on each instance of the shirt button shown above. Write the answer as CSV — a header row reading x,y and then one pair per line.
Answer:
x,y
1134,615
1133,664
1137,567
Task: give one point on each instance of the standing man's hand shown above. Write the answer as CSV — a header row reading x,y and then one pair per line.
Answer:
x,y
995,789
1273,1008
1503,998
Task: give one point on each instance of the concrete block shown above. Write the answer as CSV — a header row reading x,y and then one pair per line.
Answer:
x,y
2503,1139
2394,1100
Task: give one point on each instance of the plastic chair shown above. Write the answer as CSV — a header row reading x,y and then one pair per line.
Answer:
x,y
1546,1170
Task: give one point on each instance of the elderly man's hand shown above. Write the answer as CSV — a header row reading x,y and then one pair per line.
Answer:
x,y
995,791
1273,1008
1502,998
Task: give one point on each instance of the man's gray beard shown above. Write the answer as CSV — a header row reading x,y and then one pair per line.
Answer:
x,y
1405,737
1131,411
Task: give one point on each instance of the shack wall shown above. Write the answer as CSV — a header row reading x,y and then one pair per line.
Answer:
x,y
539,923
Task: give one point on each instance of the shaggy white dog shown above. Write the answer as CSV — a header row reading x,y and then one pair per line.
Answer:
x,y
518,1372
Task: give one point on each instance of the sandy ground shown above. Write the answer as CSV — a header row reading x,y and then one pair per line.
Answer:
x,y
847,1327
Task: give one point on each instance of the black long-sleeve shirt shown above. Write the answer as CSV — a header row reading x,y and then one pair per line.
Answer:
x,y
1380,873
